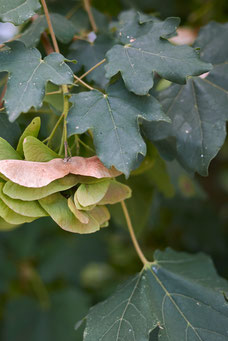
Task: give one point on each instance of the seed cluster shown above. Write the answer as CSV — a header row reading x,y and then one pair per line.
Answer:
x,y
74,201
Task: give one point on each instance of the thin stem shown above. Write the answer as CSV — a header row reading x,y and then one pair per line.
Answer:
x,y
132,234
46,43
83,83
49,138
53,92
40,111
2,95
90,70
56,47
64,87
76,37
90,15
72,11
65,113
61,146
85,145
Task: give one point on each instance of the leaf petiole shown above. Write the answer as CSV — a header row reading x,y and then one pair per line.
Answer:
x,y
90,70
132,234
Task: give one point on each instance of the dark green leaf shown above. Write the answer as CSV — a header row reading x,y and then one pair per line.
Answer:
x,y
198,110
64,31
9,131
114,119
81,21
18,11
140,55
29,75
89,54
179,293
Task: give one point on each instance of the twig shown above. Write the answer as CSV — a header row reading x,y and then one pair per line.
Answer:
x,y
49,138
83,83
90,14
53,93
52,33
76,37
90,70
64,87
3,94
46,43
85,145
72,11
132,234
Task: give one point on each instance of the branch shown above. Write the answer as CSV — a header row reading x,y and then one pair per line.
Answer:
x,y
83,83
90,15
2,95
90,70
132,234
46,43
52,33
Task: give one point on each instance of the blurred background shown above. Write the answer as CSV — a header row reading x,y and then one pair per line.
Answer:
x,y
49,278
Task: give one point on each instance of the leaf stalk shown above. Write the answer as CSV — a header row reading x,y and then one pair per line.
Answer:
x,y
132,234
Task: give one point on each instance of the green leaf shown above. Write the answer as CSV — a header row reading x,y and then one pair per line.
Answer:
x,y
16,191
7,151
90,194
89,54
25,208
179,293
35,150
57,207
64,31
9,131
114,119
18,11
213,34
140,56
9,215
31,130
82,23
29,75
198,110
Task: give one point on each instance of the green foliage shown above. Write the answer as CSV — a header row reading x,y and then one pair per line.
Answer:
x,y
179,293
110,116
202,98
151,107
149,51
29,75
89,54
64,32
18,11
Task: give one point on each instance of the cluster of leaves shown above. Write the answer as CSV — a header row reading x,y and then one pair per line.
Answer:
x,y
37,186
139,50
